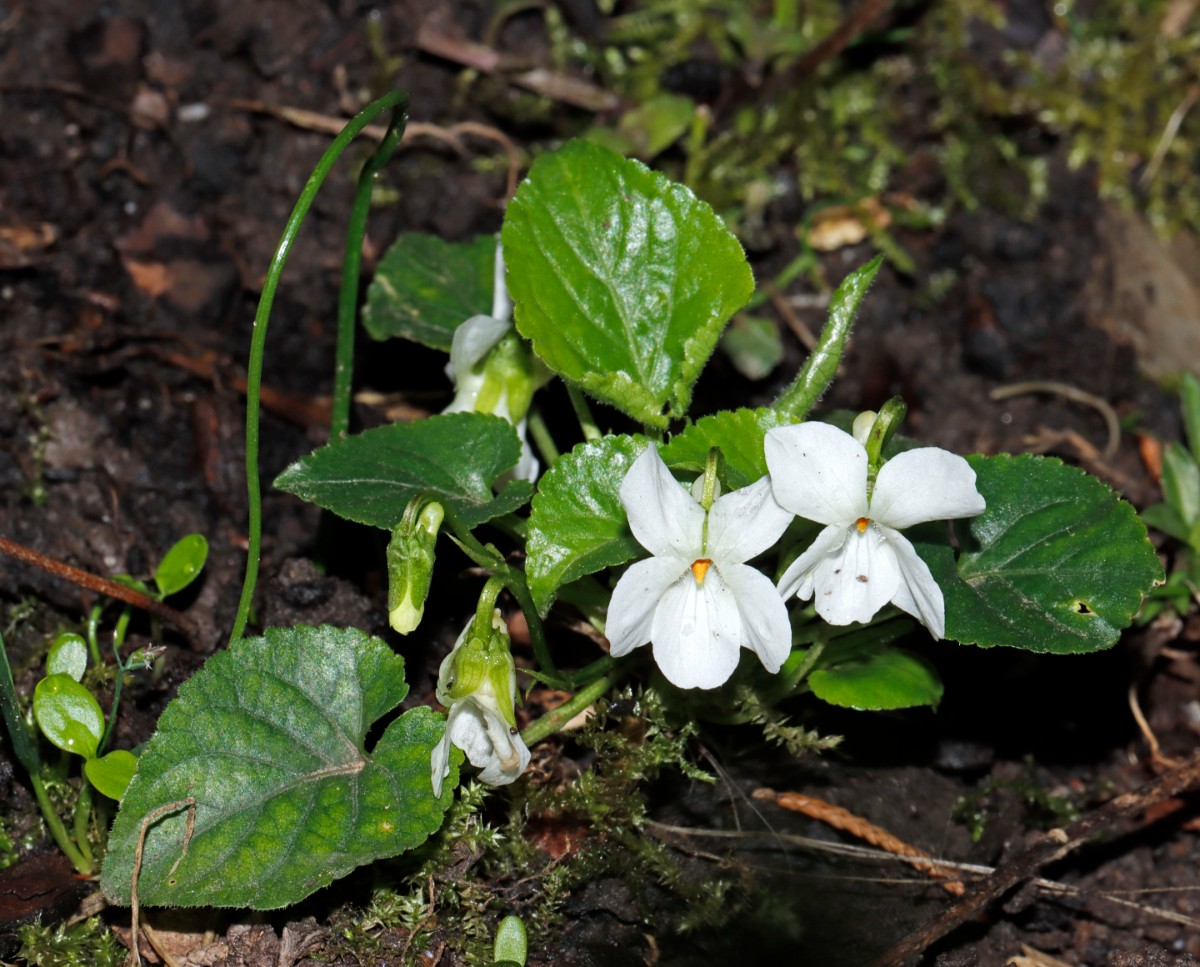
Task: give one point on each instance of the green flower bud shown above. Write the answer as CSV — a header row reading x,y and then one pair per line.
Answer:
x,y
410,558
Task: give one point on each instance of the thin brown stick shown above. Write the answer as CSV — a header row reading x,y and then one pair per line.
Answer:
x,y
1073,393
843,819
860,17
151,818
1051,847
93,582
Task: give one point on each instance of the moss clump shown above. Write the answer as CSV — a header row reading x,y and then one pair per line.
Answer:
x,y
84,944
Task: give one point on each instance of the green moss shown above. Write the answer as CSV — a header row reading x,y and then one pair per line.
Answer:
x,y
84,944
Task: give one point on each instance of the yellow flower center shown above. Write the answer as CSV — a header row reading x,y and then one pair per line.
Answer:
x,y
699,569
861,524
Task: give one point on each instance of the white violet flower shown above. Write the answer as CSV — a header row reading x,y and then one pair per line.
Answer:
x,y
696,599
478,682
493,370
860,561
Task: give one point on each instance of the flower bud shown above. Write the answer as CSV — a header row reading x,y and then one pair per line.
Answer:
x,y
478,682
410,557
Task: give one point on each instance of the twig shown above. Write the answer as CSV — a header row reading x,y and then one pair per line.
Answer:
x,y
325,124
860,17
1156,755
799,329
1169,131
153,817
843,819
1051,847
93,582
963,869
1073,393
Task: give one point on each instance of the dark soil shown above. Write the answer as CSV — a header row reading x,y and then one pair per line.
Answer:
x,y
139,207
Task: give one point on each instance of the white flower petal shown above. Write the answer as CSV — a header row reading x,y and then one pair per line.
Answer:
x,y
662,515
798,578
501,303
696,633
472,341
857,580
631,610
744,523
476,727
439,763
527,464
765,627
818,472
924,484
918,593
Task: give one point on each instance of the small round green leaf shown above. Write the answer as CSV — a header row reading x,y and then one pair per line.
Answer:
x,y
1056,563
181,564
511,944
453,458
68,656
425,287
886,680
621,278
269,740
577,524
112,773
68,715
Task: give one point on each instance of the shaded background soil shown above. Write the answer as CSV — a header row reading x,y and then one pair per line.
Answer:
x,y
143,188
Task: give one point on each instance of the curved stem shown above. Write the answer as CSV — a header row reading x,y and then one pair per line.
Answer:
x,y
551,722
583,413
352,264
83,815
58,832
514,579
258,341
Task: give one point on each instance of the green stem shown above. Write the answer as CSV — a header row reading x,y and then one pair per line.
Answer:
x,y
583,413
821,366
514,579
93,630
18,733
541,437
83,815
343,371
58,832
259,338
551,722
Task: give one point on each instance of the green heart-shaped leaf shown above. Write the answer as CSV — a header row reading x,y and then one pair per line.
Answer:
x,y
454,458
577,524
268,739
68,715
181,564
739,434
621,278
425,287
1058,562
